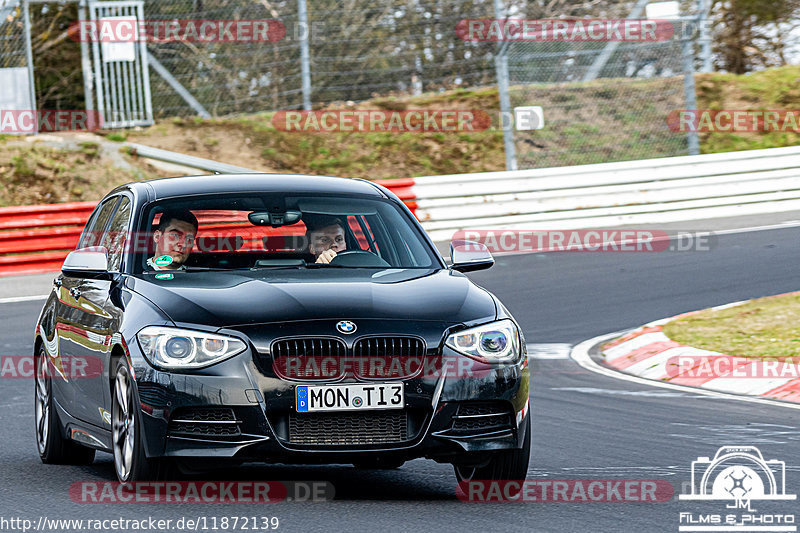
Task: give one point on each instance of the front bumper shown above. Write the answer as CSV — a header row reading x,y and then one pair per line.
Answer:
x,y
242,410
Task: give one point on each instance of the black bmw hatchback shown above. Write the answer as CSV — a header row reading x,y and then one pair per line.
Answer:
x,y
275,318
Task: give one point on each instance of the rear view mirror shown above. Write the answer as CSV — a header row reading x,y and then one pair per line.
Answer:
x,y
266,218
468,256
86,262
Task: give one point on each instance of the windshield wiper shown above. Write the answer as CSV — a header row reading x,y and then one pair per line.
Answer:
x,y
273,267
323,265
204,269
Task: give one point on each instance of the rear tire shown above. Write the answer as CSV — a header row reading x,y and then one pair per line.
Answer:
x,y
505,465
54,448
130,461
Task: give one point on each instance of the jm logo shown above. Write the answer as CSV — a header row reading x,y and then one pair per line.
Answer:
x,y
738,473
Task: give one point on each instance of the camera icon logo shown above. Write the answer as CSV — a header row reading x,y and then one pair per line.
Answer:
x,y
738,473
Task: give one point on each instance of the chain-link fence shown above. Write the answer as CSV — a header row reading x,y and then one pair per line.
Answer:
x,y
621,115
12,36
359,49
226,77
15,90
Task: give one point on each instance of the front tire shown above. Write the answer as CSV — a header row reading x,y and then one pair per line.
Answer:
x,y
54,448
130,462
506,465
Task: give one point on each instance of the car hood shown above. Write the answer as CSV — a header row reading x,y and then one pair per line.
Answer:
x,y
225,299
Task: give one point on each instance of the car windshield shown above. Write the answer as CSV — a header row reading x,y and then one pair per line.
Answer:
x,y
278,231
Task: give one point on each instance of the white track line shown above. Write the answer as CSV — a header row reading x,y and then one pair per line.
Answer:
x,y
580,354
555,350
23,299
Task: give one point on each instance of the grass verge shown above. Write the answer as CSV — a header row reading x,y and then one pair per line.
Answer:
x,y
765,328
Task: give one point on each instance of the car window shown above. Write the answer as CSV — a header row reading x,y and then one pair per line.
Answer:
x,y
93,232
114,239
236,232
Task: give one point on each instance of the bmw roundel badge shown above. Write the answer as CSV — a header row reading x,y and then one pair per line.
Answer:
x,y
346,327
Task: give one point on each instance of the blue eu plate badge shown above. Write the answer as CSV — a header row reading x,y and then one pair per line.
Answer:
x,y
302,398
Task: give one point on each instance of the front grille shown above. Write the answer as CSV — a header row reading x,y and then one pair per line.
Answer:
x,y
301,359
388,357
482,417
204,422
348,429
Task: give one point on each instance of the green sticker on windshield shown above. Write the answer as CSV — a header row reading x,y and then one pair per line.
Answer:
x,y
164,260
164,276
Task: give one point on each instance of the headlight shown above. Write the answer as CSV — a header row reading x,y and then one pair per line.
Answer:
x,y
497,342
182,349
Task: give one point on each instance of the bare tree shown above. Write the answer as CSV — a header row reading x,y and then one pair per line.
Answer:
x,y
752,34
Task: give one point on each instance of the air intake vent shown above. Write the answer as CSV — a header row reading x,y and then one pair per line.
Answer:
x,y
204,422
153,395
483,417
348,429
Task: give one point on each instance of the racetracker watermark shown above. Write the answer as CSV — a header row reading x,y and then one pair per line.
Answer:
x,y
301,367
382,120
211,492
734,120
69,367
567,491
194,523
593,240
15,121
209,240
566,30
727,366
129,30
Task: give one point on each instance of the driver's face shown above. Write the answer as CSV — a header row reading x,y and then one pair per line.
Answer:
x,y
327,238
176,241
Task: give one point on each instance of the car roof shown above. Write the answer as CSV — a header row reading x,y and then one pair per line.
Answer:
x,y
237,183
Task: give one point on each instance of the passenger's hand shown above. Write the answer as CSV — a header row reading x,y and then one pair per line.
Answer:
x,y
326,256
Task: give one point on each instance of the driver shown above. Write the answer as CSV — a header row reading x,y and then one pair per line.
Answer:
x,y
174,239
325,238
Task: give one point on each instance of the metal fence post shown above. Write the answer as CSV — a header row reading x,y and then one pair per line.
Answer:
x,y
501,67
705,38
26,15
305,67
687,54
86,62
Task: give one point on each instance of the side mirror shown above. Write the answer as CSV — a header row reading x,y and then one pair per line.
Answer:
x,y
468,256
87,263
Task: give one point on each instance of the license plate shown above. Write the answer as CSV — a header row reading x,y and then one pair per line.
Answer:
x,y
310,398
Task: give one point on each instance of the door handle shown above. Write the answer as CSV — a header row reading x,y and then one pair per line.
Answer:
x,y
75,292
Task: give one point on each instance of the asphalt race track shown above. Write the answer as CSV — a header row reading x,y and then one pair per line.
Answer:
x,y
586,426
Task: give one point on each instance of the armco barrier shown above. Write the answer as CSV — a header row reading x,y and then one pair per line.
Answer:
x,y
37,238
607,194
653,191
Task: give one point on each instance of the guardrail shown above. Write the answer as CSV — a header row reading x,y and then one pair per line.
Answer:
x,y
37,238
652,191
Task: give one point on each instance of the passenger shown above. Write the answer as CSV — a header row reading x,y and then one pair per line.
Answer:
x,y
174,240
